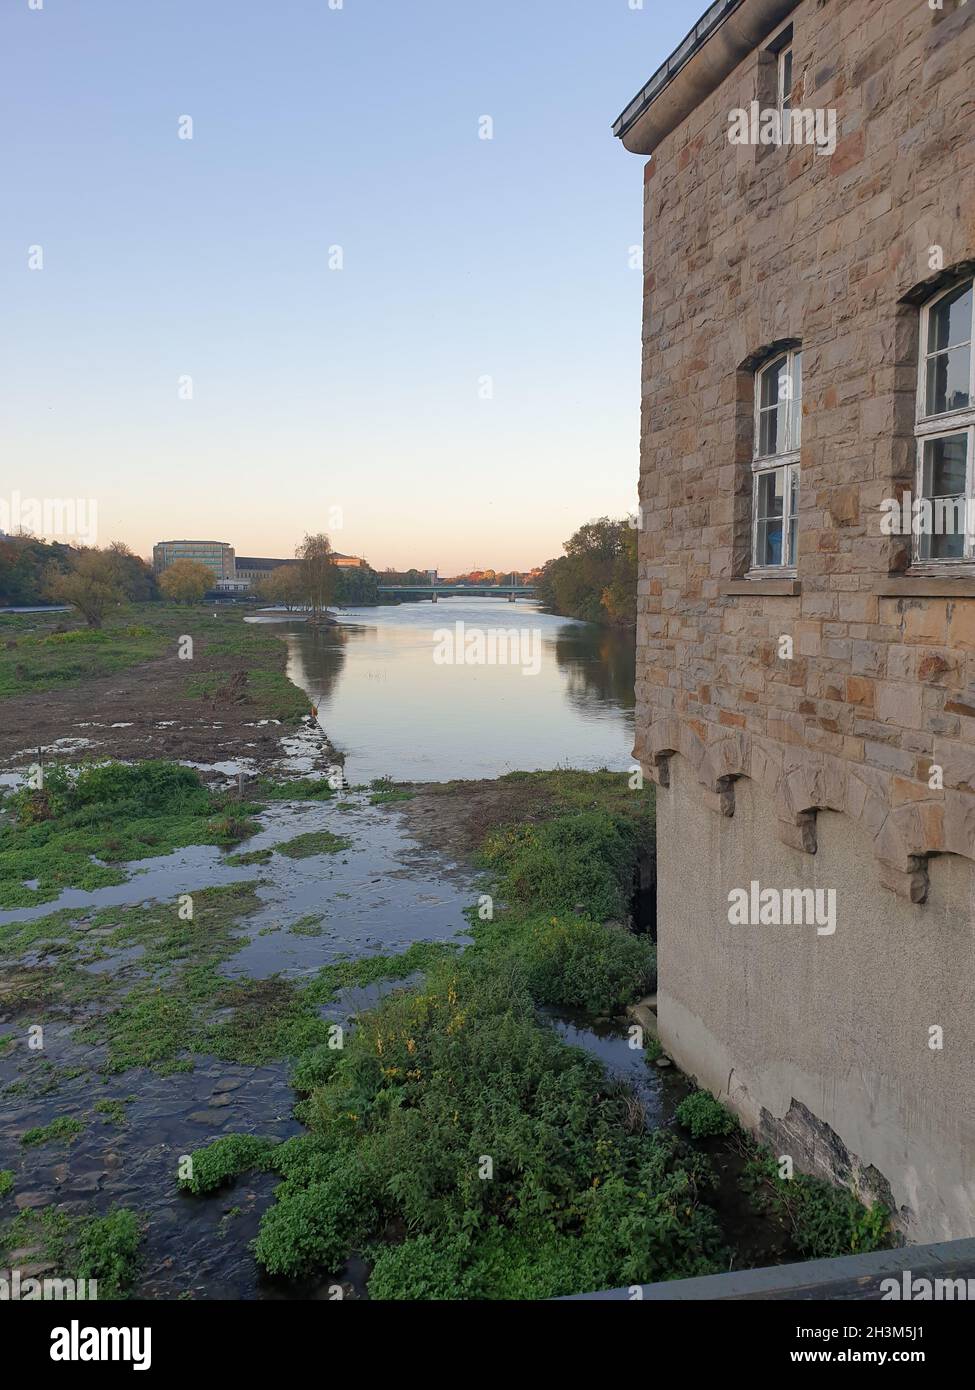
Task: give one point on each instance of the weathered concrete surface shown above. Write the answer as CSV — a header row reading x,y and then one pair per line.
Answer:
x,y
821,1043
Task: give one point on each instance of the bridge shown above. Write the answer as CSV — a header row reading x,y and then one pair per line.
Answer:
x,y
434,591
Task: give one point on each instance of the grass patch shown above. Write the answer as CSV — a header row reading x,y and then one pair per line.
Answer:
x,y
313,842
307,926
6,1182
76,833
301,789
63,1129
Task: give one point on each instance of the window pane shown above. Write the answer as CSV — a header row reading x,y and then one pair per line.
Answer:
x,y
948,380
768,432
945,466
768,550
772,407
787,79
771,493
944,480
770,383
950,321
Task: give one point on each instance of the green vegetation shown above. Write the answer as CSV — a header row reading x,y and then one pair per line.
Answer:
x,y
108,1250
823,1220
105,1248
254,856
225,1159
76,833
596,577
40,651
6,1182
311,925
434,1082
64,1128
313,842
301,789
586,859
113,1112
705,1117
576,1198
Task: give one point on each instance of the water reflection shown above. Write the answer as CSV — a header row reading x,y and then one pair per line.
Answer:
x,y
393,711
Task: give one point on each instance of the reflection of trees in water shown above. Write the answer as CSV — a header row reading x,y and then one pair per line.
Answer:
x,y
319,653
599,664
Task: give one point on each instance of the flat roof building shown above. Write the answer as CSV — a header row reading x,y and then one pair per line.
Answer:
x,y
216,555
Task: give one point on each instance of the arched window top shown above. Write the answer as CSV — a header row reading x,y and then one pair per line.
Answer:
x,y
947,363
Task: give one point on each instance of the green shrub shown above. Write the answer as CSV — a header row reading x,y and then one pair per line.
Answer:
x,y
314,1067
582,964
6,1181
705,1117
149,787
588,858
108,1250
225,1159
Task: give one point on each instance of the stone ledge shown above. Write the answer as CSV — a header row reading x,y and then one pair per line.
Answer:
x,y
908,587
787,588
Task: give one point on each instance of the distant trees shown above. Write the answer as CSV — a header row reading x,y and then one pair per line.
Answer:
x,y
356,585
92,584
186,581
135,577
596,577
284,586
25,564
30,566
317,573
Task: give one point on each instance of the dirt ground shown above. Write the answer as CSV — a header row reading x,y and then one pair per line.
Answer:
x,y
143,712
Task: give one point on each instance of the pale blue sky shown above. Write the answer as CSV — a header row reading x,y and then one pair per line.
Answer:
x,y
314,388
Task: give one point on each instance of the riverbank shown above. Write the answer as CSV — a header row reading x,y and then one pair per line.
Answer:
x,y
194,683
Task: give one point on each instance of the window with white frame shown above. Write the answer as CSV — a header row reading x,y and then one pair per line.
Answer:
x,y
785,79
775,464
945,428
780,49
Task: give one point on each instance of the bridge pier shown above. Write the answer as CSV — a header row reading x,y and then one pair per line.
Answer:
x,y
433,597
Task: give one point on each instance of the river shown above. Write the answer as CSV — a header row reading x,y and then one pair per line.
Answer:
x,y
394,709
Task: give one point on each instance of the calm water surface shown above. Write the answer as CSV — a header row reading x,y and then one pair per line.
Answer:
x,y
394,711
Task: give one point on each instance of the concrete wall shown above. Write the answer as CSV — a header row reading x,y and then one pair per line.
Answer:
x,y
821,1042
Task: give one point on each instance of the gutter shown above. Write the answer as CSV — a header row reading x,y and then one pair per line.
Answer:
x,y
726,33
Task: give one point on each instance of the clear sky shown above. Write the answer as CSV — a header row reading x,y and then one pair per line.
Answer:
x,y
321,393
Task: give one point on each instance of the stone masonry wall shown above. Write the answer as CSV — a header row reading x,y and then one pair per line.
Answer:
x,y
748,247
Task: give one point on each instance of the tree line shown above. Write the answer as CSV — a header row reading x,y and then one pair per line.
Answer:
x,y
93,580
595,579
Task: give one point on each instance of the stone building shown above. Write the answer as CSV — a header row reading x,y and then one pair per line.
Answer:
x,y
806,661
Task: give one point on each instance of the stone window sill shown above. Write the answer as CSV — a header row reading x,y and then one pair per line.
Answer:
x,y
779,587
917,586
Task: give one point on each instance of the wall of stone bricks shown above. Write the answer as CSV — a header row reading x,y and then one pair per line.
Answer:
x,y
747,247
